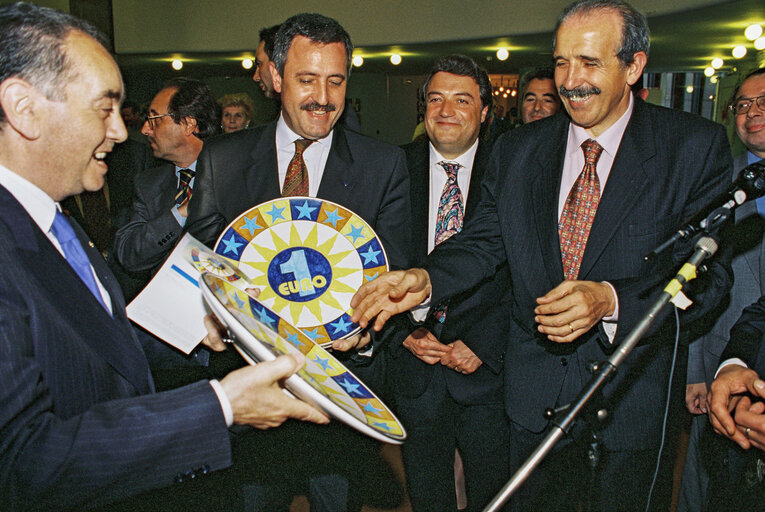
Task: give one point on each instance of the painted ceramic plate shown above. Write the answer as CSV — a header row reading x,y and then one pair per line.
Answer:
x,y
261,335
308,257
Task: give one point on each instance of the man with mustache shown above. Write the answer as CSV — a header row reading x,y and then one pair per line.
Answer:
x,y
630,173
306,152
181,116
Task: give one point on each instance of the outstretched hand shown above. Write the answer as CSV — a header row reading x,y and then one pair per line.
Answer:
x,y
390,294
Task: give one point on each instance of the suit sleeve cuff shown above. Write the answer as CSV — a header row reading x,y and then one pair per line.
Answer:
x,y
225,404
609,322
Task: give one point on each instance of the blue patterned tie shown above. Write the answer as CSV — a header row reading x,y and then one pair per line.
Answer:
x,y
75,254
449,219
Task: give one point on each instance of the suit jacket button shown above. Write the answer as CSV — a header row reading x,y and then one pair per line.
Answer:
x,y
563,361
179,478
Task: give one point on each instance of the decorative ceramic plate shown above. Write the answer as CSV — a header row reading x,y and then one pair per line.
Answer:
x,y
308,257
261,335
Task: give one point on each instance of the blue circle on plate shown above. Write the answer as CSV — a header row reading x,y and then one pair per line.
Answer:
x,y
299,274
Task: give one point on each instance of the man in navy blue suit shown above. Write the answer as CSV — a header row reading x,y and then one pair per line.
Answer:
x,y
631,173
81,423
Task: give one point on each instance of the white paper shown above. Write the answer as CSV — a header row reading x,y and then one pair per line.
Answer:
x,y
171,306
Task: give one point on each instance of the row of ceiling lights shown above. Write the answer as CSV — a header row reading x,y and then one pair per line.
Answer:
x,y
752,33
358,60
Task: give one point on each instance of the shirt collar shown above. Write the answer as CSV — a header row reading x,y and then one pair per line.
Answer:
x,y
192,167
33,199
466,159
609,139
285,137
751,158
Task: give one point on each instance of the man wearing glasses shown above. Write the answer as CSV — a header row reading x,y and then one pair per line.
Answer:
x,y
743,353
181,116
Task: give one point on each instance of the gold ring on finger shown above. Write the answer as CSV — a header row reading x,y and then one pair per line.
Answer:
x,y
747,431
571,327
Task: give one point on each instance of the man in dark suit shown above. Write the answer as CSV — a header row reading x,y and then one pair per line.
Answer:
x,y
82,425
745,241
646,170
306,152
181,117
447,376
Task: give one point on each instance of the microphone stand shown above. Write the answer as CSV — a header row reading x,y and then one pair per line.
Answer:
x,y
564,417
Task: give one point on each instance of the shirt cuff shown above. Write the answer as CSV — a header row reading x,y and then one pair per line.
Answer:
x,y
420,313
180,218
225,404
609,322
728,362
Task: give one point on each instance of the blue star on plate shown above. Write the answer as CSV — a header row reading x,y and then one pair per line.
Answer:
x,y
312,334
333,217
293,338
250,225
263,317
369,278
370,255
305,211
239,302
232,245
276,213
349,386
341,325
368,407
324,363
356,233
383,426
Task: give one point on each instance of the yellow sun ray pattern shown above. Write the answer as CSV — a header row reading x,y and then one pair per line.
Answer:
x,y
308,257
325,374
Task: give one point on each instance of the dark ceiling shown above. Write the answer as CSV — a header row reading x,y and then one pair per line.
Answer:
x,y
685,41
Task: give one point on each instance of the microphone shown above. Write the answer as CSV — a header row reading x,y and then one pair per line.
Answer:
x,y
749,184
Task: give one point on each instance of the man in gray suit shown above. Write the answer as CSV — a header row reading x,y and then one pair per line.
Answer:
x,y
745,240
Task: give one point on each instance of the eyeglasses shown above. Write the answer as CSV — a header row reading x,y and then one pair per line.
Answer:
x,y
743,105
152,120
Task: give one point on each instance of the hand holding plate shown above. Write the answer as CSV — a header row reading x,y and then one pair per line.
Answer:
x,y
258,400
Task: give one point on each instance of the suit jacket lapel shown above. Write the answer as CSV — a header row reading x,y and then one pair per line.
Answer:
x,y
419,174
545,191
623,189
261,179
337,181
107,337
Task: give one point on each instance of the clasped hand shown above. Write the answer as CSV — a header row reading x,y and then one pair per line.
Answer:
x,y
456,356
736,407
572,308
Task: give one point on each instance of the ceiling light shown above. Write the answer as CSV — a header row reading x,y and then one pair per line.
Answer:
x,y
501,89
358,60
395,59
247,63
739,51
717,63
709,71
503,54
496,93
752,32
711,96
759,43
504,95
177,64
513,93
689,89
713,79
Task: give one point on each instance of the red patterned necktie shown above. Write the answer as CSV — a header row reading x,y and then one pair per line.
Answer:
x,y
450,209
183,194
579,211
296,181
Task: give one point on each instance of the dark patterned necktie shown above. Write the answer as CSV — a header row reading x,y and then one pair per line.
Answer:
x,y
579,211
449,220
450,208
183,194
296,181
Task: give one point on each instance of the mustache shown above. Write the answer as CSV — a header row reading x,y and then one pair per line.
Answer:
x,y
578,91
316,106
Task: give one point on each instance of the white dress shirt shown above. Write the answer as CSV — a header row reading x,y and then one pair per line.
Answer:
x,y
315,155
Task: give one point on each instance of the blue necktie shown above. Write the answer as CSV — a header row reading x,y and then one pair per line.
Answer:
x,y
75,254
